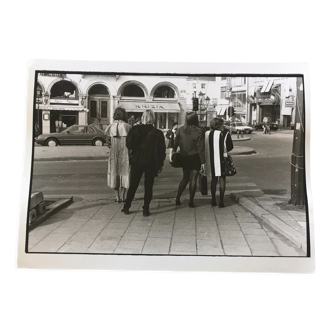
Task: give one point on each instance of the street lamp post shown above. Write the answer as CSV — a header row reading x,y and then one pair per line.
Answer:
x,y
36,120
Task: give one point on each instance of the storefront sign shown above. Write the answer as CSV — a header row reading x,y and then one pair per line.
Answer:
x,y
52,74
289,103
148,106
130,106
64,101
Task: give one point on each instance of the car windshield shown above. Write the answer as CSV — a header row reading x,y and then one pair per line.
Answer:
x,y
239,124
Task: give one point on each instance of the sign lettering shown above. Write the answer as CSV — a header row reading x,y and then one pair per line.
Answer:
x,y
64,101
139,106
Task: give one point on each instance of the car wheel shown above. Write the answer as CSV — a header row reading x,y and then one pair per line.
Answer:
x,y
98,142
51,142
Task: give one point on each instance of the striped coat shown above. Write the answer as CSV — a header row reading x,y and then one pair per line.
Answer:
x,y
214,151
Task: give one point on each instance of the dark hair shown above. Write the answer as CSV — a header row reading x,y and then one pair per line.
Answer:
x,y
216,124
175,124
120,114
191,122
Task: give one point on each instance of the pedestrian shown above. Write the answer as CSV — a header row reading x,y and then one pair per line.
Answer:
x,y
118,162
215,141
148,152
171,134
131,120
190,139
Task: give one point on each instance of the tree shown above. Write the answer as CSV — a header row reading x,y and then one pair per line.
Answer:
x,y
298,192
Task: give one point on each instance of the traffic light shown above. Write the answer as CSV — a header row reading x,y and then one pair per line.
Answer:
x,y
231,111
195,104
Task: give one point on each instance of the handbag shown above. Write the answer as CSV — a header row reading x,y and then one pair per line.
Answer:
x,y
176,160
228,161
202,183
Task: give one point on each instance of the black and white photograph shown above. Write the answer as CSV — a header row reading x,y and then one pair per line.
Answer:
x,y
168,164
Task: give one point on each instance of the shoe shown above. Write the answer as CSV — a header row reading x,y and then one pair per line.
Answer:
x,y
125,210
146,213
213,203
118,200
177,202
191,205
221,205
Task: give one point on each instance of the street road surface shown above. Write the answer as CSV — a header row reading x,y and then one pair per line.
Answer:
x,y
269,170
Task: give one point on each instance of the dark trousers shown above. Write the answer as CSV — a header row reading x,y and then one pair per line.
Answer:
x,y
136,173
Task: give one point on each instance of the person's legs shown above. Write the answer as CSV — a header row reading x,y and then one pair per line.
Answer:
x,y
192,186
183,184
214,182
222,183
149,176
124,192
136,173
117,194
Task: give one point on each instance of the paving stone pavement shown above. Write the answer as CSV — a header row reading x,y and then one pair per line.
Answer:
x,y
99,227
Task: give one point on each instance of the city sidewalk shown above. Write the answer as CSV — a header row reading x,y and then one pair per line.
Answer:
x,y
64,153
100,227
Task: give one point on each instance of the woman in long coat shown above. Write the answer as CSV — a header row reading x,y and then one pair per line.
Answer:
x,y
215,141
118,163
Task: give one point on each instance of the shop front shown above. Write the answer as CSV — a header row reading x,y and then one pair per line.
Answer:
x,y
57,119
166,113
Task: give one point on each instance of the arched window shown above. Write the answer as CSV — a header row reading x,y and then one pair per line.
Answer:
x,y
64,89
132,90
99,89
164,91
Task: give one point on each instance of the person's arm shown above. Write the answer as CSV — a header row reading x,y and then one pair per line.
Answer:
x,y
229,142
161,151
201,146
130,141
175,144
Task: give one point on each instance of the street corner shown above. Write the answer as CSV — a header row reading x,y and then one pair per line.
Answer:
x,y
42,207
290,224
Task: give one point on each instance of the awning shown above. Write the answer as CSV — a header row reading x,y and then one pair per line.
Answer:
x,y
267,86
62,108
141,106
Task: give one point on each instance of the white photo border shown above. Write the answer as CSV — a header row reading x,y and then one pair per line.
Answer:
x,y
163,263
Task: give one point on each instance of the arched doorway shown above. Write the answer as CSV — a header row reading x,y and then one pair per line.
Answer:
x,y
63,95
162,92
133,91
99,105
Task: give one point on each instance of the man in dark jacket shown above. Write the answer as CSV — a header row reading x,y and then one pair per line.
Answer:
x,y
148,152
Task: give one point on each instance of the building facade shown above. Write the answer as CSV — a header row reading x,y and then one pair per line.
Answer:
x,y
68,99
64,100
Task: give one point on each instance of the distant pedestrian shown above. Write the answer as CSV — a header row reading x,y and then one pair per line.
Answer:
x,y
148,152
131,120
215,141
137,122
118,162
190,139
171,134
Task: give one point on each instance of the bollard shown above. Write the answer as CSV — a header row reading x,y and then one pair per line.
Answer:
x,y
241,134
238,134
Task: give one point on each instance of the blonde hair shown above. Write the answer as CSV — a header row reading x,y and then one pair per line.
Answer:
x,y
148,117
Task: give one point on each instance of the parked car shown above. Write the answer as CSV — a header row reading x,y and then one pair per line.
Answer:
x,y
74,135
100,126
273,126
235,127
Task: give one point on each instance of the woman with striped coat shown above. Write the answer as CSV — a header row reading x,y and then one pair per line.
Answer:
x,y
218,143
